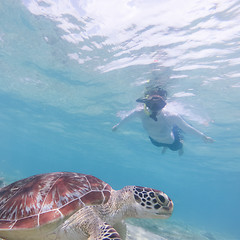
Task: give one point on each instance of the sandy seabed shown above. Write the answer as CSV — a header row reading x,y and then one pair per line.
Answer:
x,y
155,230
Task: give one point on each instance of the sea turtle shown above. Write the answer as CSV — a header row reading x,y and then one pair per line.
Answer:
x,y
66,205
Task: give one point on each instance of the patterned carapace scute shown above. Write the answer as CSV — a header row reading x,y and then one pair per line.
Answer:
x,y
44,198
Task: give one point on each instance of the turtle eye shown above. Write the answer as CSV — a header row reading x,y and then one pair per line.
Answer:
x,y
162,199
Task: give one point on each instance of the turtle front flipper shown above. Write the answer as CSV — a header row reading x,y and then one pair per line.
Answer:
x,y
106,232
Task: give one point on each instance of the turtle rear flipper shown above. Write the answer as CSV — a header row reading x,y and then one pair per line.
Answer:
x,y
106,232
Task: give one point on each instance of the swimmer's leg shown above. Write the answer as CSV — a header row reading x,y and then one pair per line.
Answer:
x,y
180,151
164,149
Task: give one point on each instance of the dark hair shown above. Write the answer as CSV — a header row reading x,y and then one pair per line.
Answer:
x,y
156,91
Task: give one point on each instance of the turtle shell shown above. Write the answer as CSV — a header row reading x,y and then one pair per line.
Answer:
x,y
46,198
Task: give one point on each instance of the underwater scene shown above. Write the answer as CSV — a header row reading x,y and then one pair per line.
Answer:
x,y
70,74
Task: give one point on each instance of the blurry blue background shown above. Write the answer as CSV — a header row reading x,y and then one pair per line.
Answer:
x,y
68,67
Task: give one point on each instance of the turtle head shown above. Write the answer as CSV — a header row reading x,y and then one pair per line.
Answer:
x,y
151,203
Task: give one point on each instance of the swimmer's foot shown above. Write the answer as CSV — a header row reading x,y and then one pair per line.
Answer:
x,y
180,152
164,150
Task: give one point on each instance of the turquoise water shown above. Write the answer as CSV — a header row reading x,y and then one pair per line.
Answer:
x,y
68,70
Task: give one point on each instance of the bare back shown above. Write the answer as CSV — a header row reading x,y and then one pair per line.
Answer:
x,y
160,130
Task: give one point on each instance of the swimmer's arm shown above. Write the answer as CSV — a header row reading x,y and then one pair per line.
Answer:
x,y
177,120
128,118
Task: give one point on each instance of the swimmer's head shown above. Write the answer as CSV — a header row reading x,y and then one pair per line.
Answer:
x,y
156,91
155,102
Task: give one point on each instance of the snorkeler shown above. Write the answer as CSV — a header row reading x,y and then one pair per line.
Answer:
x,y
163,127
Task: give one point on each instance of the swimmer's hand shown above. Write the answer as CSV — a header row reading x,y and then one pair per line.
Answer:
x,y
115,127
207,139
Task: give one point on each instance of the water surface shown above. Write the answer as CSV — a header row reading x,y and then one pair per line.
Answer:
x,y
68,69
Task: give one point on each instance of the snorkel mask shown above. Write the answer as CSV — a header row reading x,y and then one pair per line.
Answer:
x,y
154,103
157,90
